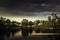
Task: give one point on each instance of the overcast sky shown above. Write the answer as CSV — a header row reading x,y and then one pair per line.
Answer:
x,y
30,9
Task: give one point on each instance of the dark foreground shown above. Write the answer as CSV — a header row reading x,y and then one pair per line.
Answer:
x,y
55,37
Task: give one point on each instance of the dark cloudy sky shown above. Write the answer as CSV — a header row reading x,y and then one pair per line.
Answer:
x,y
30,9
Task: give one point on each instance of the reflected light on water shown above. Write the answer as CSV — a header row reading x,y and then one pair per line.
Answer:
x,y
20,34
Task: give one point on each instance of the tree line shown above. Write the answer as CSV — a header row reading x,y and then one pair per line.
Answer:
x,y
8,27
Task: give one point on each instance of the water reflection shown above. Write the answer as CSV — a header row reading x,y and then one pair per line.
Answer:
x,y
38,34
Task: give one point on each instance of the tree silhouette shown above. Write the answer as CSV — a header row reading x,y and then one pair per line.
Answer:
x,y
24,27
54,20
14,28
24,22
49,18
37,29
7,27
2,27
30,27
37,22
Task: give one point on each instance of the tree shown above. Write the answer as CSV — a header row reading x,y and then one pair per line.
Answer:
x,y
37,29
30,27
2,27
30,23
49,18
54,20
14,27
54,16
8,29
24,22
37,22
24,27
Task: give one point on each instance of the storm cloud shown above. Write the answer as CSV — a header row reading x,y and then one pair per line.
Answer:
x,y
29,8
30,5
